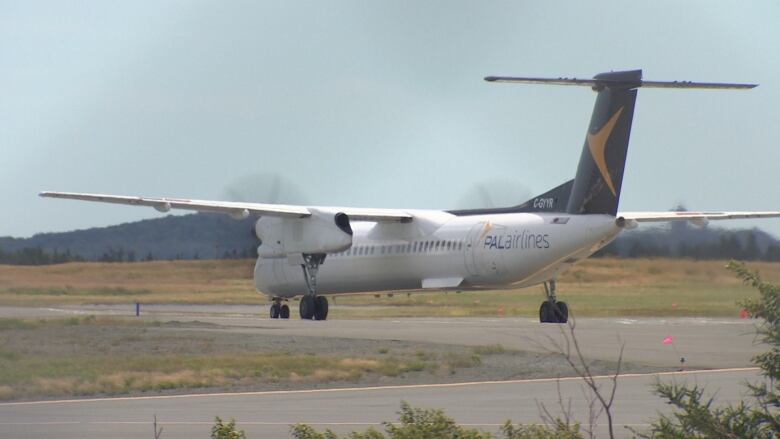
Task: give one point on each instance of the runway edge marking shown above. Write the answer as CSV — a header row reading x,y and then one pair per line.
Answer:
x,y
374,388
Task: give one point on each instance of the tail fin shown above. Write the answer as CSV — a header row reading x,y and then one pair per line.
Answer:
x,y
600,172
599,176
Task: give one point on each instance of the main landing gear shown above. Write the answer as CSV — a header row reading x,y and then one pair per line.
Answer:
x,y
312,305
551,310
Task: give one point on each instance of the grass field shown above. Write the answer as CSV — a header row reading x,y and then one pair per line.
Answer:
x,y
597,287
83,356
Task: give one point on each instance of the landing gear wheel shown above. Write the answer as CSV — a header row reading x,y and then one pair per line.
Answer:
x,y
561,312
306,307
551,310
545,316
320,308
284,312
275,308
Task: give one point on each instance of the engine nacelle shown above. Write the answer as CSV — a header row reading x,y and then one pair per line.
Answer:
x,y
322,232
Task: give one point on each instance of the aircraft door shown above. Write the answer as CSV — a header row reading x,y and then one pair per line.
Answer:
x,y
470,251
484,260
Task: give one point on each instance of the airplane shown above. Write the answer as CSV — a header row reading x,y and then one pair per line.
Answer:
x,y
316,251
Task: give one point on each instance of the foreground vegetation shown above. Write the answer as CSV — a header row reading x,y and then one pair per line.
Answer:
x,y
434,424
597,287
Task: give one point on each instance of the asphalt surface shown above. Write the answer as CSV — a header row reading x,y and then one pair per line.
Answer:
x,y
270,414
704,343
710,343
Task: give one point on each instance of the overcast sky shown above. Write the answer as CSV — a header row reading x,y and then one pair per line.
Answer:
x,y
367,103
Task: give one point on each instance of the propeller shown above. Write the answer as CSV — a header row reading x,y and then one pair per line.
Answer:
x,y
270,188
496,192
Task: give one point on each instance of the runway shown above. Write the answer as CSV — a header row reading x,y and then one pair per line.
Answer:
x,y
485,405
711,343
705,343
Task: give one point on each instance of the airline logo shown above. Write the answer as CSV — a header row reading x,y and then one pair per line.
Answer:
x,y
522,240
597,143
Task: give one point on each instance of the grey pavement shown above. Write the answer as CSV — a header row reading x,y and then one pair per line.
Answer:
x,y
709,343
270,414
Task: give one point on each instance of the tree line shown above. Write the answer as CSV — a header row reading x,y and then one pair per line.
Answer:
x,y
40,256
727,246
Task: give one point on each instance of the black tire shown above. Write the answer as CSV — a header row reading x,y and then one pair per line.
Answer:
x,y
306,307
561,312
320,308
284,312
544,312
275,311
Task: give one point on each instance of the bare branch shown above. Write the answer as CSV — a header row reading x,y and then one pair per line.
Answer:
x,y
157,432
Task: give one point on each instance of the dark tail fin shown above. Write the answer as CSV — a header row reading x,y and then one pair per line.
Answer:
x,y
596,187
600,172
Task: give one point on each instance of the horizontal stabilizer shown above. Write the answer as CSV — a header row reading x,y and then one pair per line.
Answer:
x,y
700,218
598,83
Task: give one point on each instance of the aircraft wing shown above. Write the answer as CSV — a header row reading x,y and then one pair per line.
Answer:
x,y
237,210
694,217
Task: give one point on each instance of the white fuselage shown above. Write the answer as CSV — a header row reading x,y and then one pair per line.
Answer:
x,y
443,251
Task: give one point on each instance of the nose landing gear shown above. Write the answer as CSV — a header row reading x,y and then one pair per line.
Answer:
x,y
279,310
552,311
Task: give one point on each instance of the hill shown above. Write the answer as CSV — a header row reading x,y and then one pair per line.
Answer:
x,y
214,236
195,236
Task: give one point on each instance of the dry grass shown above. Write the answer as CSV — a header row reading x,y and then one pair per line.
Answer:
x,y
110,356
223,281
597,287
